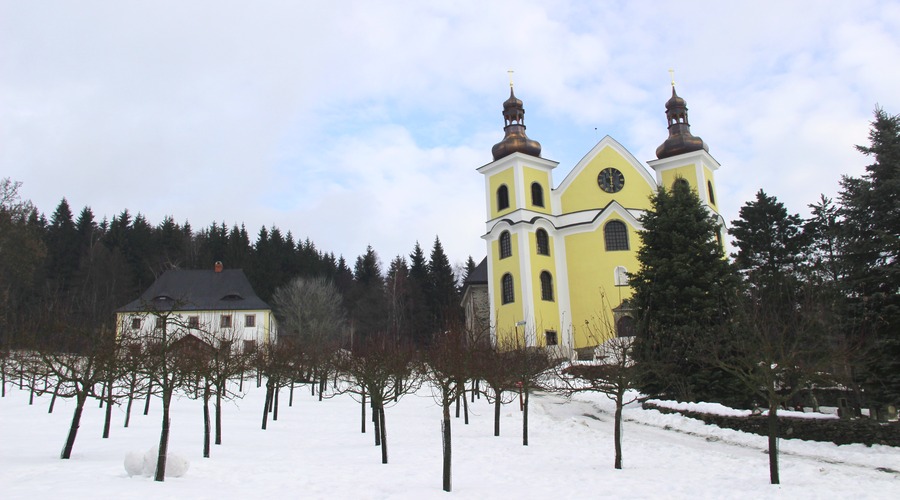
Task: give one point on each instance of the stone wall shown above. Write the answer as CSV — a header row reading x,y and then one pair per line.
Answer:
x,y
837,431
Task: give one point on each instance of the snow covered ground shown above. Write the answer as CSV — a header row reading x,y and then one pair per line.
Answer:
x,y
316,450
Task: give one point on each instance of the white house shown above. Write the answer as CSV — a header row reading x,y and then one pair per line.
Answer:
x,y
218,303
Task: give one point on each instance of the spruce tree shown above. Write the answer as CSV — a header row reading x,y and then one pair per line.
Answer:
x,y
444,296
772,249
682,294
871,257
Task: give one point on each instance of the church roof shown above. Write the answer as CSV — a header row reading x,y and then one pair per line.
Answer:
x,y
479,275
195,290
680,139
515,140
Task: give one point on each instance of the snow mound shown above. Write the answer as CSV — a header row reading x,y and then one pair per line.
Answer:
x,y
137,463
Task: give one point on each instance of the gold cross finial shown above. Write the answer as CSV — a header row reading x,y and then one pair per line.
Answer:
x,y
672,74
510,78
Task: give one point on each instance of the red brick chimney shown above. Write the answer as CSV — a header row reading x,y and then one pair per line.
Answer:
x,y
219,266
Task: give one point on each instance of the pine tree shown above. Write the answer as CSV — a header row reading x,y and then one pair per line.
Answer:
x,y
368,297
771,250
871,257
444,296
682,293
421,323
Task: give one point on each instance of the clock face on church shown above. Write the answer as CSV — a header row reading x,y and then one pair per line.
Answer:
x,y
611,180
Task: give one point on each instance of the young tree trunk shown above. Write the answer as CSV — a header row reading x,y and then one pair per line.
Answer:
x,y
525,419
241,383
73,429
219,413
376,423
275,403
497,414
163,437
363,408
107,420
149,393
459,395
323,381
465,410
383,427
291,395
53,399
773,443
266,406
31,394
206,426
130,401
445,434
618,430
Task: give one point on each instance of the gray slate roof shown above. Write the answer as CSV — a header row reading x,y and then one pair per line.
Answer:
x,y
194,290
479,275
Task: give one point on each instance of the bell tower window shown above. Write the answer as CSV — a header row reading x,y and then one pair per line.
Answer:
x,y
505,245
508,293
502,198
537,194
543,242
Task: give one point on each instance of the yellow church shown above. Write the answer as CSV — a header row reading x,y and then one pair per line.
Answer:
x,y
558,258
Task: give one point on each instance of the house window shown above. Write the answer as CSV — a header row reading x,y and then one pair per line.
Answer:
x,y
505,245
135,323
546,286
616,236
543,242
160,323
508,293
194,322
250,320
502,198
249,345
537,195
225,321
712,197
621,276
550,337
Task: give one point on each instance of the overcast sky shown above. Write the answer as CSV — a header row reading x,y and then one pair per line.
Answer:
x,y
362,123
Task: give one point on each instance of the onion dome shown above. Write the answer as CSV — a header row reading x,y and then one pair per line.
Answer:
x,y
680,139
515,139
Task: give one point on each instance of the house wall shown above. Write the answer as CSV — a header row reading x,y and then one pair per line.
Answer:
x,y
209,323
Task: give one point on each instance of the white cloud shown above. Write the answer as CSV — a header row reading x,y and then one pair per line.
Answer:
x,y
359,123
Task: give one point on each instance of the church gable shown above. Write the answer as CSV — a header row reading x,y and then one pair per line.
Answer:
x,y
607,173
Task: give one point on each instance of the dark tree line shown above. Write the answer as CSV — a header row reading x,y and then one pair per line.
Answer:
x,y
73,270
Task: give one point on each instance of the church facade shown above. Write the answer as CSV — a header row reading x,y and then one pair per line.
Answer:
x,y
558,258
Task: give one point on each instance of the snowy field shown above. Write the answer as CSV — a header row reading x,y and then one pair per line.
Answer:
x,y
316,450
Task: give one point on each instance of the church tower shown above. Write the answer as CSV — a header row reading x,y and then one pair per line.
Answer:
x,y
685,156
521,270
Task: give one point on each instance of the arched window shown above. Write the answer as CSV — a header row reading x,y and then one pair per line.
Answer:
x,y
505,245
537,195
621,276
508,293
543,242
712,197
681,182
502,198
546,286
616,236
